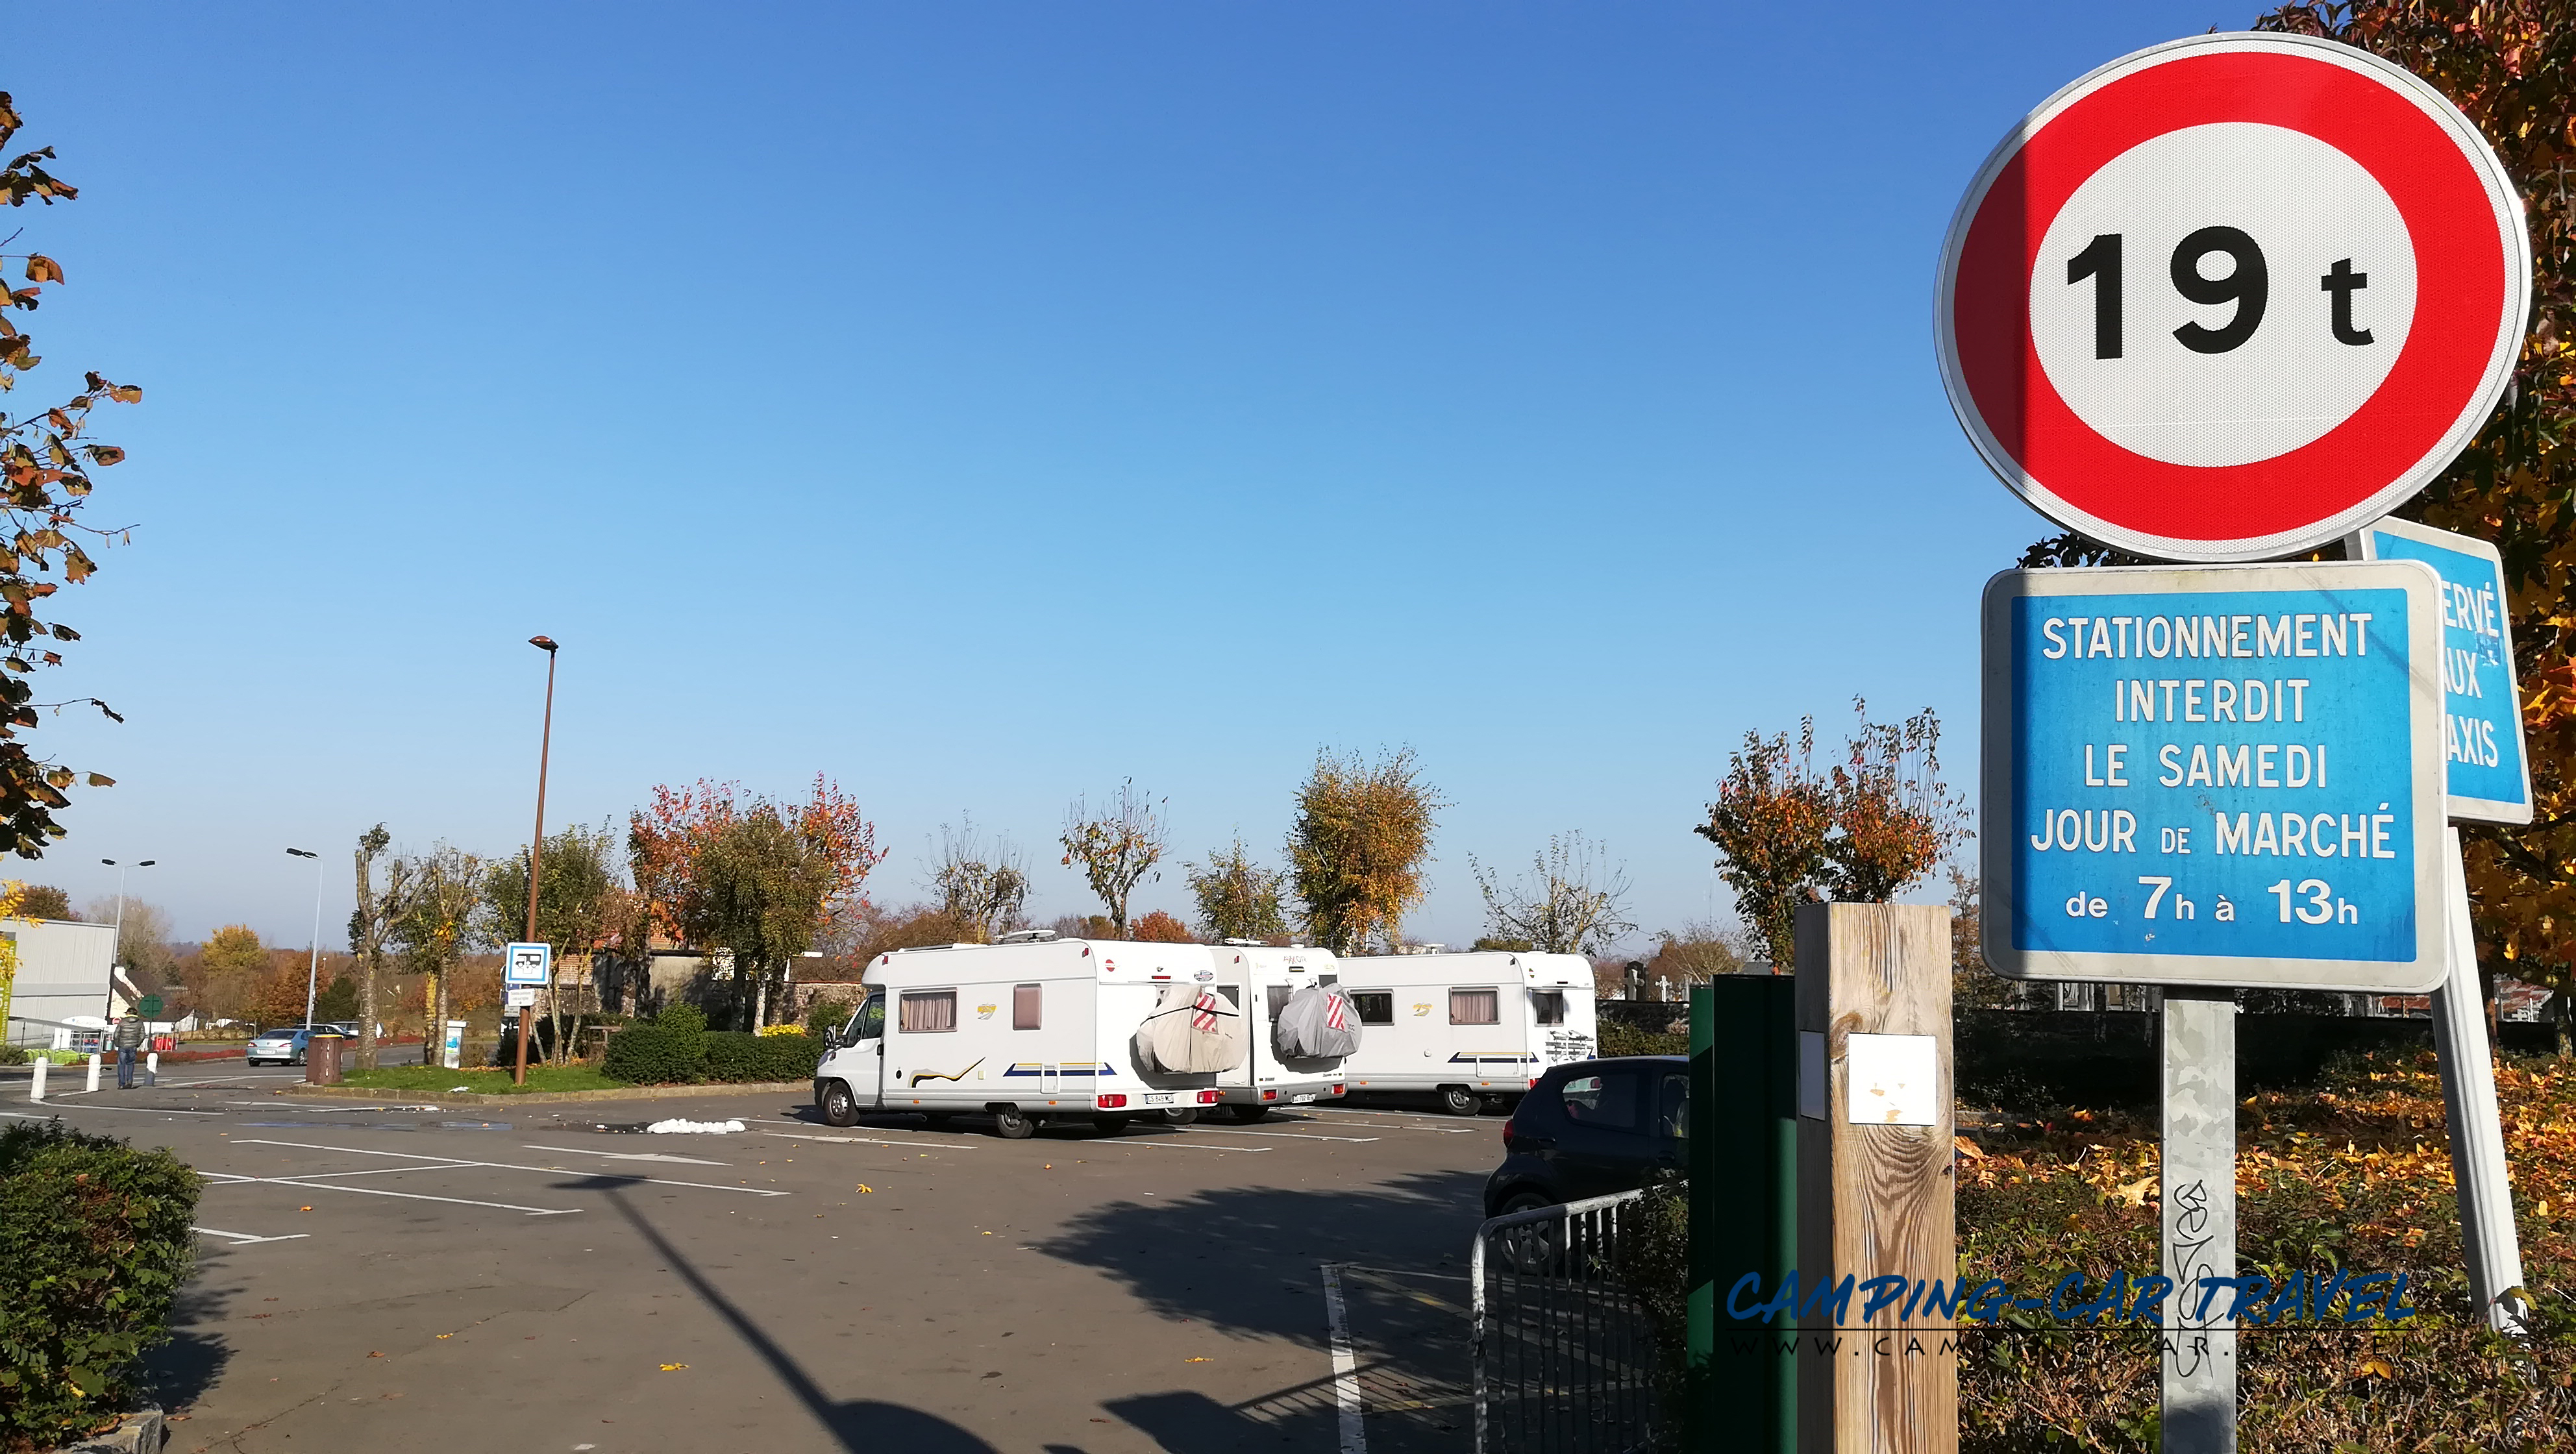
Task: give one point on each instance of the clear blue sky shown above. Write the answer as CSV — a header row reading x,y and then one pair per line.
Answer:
x,y
982,404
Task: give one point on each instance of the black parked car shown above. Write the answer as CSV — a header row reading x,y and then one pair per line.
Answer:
x,y
1590,1129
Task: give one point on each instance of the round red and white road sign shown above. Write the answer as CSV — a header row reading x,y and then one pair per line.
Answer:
x,y
2232,297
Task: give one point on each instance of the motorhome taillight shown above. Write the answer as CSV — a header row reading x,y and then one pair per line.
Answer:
x,y
1111,1103
1337,1090
1270,1095
1207,1097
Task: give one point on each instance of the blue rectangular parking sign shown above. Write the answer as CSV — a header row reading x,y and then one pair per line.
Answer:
x,y
2220,775
2482,750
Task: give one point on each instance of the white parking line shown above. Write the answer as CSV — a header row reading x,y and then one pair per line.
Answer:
x,y
225,1178
1186,1146
1346,1375
950,1143
245,1239
450,1163
1398,1125
1292,1135
627,1155
130,1110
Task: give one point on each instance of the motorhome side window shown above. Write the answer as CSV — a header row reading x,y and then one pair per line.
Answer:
x,y
1027,1003
927,1011
1376,1007
1475,1007
1550,1005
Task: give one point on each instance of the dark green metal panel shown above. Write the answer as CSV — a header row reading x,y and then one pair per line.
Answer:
x,y
1744,1208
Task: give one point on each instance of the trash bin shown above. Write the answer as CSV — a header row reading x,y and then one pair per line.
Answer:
x,y
322,1059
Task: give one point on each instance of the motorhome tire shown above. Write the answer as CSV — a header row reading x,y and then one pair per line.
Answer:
x,y
1457,1100
1246,1115
840,1108
1181,1115
1110,1125
1013,1124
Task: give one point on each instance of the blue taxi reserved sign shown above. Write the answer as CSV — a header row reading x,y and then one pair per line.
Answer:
x,y
2221,776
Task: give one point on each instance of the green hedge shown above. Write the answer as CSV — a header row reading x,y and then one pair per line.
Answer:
x,y
677,1048
733,1056
1620,1038
94,1243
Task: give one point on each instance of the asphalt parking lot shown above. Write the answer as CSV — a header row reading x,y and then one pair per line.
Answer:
x,y
399,1276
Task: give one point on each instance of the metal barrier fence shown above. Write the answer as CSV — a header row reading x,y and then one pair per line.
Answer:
x,y
1564,1358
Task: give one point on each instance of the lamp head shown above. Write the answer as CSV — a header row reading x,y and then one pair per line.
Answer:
x,y
300,853
545,644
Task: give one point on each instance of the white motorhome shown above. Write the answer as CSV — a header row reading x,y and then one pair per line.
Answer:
x,y
1261,981
1032,1030
1469,1028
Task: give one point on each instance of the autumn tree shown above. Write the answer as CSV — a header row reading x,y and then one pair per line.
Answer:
x,y
439,922
759,878
1570,902
583,904
44,901
2510,66
1157,927
1873,826
371,924
1357,848
226,971
1117,847
1237,898
982,886
142,939
46,457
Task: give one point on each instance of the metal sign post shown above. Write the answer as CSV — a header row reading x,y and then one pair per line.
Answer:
x,y
2488,770
2199,1201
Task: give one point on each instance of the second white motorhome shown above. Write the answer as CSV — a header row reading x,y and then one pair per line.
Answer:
x,y
1263,981
1028,1032
1468,1028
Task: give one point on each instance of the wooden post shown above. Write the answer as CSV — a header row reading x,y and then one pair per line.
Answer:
x,y
1877,1189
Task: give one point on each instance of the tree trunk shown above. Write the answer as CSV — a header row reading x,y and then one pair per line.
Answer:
x,y
2560,1008
366,968
436,1040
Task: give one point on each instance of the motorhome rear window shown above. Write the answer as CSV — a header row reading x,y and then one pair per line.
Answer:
x,y
1376,1007
1550,1005
925,1011
1279,995
1027,1001
1475,1007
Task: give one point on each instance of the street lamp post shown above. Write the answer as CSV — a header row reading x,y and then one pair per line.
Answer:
x,y
313,969
537,843
120,925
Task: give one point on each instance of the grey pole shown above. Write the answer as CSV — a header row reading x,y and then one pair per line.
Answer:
x,y
2487,1232
313,969
120,926
2199,1219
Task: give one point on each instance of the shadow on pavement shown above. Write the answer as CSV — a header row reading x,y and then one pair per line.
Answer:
x,y
859,1424
1244,1258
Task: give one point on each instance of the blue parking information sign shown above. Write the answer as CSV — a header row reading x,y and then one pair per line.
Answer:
x,y
2490,778
2227,775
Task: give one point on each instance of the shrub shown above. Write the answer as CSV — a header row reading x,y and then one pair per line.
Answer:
x,y
781,1030
825,1016
1621,1038
669,1049
94,1243
743,1057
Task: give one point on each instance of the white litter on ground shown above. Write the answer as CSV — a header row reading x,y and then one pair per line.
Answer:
x,y
676,1126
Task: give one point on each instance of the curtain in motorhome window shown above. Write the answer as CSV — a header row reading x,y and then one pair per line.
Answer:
x,y
1550,1005
925,1011
1026,1002
1376,1007
1475,1007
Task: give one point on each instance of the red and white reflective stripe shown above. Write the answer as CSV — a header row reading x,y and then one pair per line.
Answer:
x,y
1203,1014
1333,1010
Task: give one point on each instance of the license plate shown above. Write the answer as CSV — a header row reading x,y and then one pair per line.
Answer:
x,y
1162,1098
1301,1100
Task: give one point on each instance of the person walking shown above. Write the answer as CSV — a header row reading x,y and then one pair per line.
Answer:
x,y
128,1040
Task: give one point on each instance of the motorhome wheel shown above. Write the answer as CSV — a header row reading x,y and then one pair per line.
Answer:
x,y
1110,1125
1181,1115
840,1108
1013,1124
1246,1115
1457,1100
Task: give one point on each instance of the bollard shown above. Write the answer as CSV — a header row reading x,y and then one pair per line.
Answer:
x,y
152,1067
37,1091
92,1087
